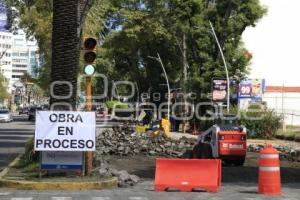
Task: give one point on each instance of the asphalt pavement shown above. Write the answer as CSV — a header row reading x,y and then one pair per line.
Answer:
x,y
13,137
144,191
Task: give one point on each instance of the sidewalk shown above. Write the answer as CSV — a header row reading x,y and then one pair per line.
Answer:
x,y
178,135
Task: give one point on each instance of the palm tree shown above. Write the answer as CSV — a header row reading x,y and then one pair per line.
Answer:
x,y
68,17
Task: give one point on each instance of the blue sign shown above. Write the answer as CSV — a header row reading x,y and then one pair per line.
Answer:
x,y
57,160
61,167
245,89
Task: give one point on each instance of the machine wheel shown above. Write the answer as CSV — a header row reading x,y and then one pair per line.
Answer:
x,y
188,154
207,151
234,162
202,151
239,162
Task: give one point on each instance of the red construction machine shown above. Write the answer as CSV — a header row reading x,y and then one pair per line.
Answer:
x,y
226,142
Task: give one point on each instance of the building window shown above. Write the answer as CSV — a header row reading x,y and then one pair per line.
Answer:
x,y
20,66
24,54
18,71
15,76
20,60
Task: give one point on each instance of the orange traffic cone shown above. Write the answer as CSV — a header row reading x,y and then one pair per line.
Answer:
x,y
269,181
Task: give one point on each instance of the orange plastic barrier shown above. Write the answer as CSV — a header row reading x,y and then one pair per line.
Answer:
x,y
188,174
269,181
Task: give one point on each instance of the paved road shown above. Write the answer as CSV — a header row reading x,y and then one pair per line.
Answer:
x,y
13,137
144,191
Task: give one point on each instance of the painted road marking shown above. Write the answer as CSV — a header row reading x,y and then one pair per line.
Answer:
x,y
61,198
21,198
101,198
138,198
4,193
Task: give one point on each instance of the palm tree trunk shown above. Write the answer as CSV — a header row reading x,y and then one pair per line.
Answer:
x,y
65,53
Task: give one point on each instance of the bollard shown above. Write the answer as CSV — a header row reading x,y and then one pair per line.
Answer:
x,y
269,181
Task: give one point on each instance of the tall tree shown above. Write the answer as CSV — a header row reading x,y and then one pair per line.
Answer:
x,y
68,18
148,27
3,88
132,30
65,51
37,19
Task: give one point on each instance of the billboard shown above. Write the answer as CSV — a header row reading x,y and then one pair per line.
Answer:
x,y
252,89
219,90
245,89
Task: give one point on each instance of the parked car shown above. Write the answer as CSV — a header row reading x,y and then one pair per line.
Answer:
x,y
5,116
32,113
23,111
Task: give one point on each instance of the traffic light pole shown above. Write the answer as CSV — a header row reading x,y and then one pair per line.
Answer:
x,y
89,56
88,154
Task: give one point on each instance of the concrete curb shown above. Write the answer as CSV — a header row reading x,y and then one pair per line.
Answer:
x,y
12,164
40,185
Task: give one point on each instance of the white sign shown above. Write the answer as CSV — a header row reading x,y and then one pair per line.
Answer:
x,y
64,131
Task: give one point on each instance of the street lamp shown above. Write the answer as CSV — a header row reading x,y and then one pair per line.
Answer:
x,y
224,61
167,80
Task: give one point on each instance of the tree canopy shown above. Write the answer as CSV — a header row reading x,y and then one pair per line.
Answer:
x,y
3,88
132,30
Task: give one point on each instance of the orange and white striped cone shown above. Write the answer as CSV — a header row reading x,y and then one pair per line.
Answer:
x,y
269,181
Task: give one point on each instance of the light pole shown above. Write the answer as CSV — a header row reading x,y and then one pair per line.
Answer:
x,y
138,91
167,80
224,61
225,66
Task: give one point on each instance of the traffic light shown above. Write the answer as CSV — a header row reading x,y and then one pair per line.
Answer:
x,y
89,55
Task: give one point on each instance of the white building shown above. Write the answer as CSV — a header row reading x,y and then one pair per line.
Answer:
x,y
284,100
25,57
33,57
6,57
18,56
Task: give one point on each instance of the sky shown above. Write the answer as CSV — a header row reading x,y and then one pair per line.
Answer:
x,y
275,44
2,16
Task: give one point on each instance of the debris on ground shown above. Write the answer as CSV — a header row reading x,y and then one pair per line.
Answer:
x,y
124,178
285,151
124,141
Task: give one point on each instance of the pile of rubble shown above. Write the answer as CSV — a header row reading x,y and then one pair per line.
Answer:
x,y
285,152
124,141
104,169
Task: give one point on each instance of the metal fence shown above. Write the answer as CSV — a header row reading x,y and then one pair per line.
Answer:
x,y
285,104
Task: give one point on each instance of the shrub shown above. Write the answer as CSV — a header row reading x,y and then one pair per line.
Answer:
x,y
260,122
116,104
297,138
30,155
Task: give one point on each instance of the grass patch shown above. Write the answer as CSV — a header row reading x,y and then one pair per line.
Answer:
x,y
32,167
